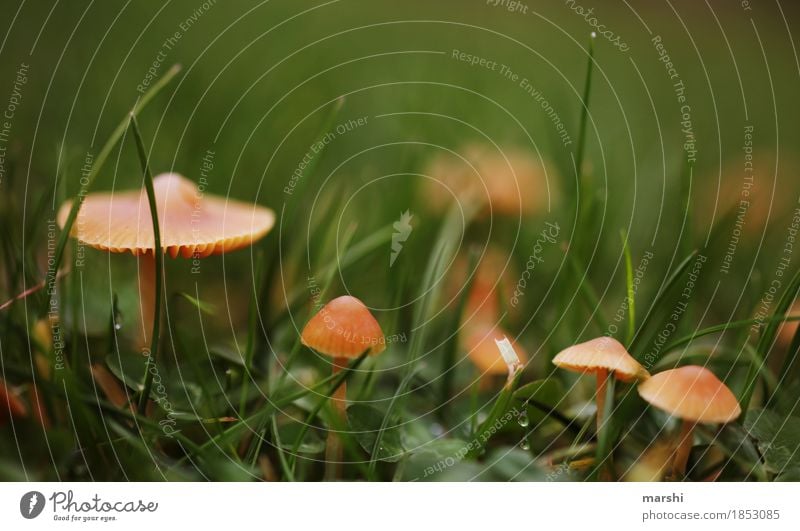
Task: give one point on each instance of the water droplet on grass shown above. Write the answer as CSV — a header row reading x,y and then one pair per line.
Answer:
x,y
525,444
523,420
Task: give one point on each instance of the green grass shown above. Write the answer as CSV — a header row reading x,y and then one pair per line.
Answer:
x,y
244,391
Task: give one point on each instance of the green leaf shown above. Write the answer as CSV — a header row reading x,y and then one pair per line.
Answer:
x,y
513,464
499,416
423,463
548,392
311,442
365,421
778,439
733,440
128,369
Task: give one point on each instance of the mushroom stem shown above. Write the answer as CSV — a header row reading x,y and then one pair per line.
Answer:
x,y
333,446
147,299
686,438
600,398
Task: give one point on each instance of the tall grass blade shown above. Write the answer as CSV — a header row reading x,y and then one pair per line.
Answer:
x,y
158,255
629,289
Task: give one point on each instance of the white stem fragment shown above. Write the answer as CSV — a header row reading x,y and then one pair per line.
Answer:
x,y
509,356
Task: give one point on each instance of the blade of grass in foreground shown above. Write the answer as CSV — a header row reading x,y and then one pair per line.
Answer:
x,y
287,469
629,286
584,195
98,165
158,256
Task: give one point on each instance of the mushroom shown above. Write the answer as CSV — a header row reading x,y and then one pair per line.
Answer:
x,y
603,356
192,224
343,329
482,348
694,395
512,181
10,404
492,278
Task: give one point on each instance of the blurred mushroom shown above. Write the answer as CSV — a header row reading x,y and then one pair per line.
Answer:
x,y
694,395
193,225
111,387
10,404
493,277
343,329
603,356
511,181
755,196
788,329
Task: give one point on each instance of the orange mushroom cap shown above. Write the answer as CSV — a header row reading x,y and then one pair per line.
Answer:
x,y
10,404
344,328
691,393
601,354
483,351
192,224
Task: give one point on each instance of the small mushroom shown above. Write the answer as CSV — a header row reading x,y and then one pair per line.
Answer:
x,y
480,342
343,329
694,395
603,356
192,224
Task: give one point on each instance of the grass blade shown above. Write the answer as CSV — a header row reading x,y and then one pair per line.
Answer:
x,y
158,255
629,290
726,326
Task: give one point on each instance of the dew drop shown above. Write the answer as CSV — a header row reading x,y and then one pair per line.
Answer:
x,y
524,444
523,420
117,326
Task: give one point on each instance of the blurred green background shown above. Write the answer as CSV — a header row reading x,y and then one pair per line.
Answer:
x,y
259,78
